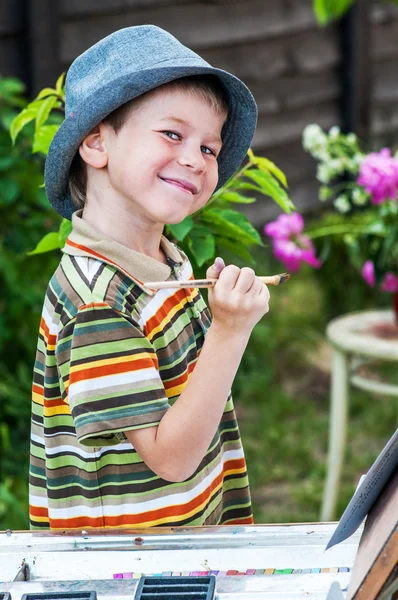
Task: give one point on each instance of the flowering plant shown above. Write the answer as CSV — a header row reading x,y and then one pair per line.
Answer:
x,y
364,188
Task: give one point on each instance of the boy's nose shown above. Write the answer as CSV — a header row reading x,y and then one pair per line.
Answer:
x,y
192,159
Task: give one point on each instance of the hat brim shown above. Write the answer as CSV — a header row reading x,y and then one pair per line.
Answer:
x,y
238,130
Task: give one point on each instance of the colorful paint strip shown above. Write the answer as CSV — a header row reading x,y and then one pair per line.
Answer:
x,y
234,572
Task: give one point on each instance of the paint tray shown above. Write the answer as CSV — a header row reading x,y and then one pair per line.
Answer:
x,y
176,588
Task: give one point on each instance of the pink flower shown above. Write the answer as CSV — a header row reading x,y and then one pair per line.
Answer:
x,y
379,176
390,281
290,246
368,273
285,225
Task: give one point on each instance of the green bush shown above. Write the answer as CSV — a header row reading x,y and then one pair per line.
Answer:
x,y
25,218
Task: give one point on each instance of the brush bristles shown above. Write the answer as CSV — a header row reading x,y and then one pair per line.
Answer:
x,y
283,277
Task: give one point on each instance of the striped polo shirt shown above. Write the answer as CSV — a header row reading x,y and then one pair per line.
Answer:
x,y
113,356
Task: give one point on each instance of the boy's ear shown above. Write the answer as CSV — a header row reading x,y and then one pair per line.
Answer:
x,y
93,150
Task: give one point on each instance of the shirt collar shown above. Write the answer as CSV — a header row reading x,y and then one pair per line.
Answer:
x,y
86,240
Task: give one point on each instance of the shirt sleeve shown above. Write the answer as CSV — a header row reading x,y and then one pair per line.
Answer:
x,y
109,375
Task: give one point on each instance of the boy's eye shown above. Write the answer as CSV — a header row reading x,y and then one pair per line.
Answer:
x,y
172,134
207,150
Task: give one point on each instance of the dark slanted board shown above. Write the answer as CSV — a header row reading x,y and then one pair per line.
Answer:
x,y
377,556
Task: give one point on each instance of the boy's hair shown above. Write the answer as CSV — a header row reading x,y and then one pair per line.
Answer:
x,y
207,87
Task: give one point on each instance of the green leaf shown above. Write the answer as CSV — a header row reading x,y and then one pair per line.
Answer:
x,y
235,248
28,114
7,116
202,244
6,162
64,230
270,187
41,197
46,106
10,85
240,220
328,10
265,164
235,197
45,92
9,190
43,138
4,436
60,83
180,230
49,242
242,185
231,224
377,227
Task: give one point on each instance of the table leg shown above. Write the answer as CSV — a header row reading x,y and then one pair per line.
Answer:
x,y
337,432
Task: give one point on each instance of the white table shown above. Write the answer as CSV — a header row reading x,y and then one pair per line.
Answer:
x,y
80,560
354,343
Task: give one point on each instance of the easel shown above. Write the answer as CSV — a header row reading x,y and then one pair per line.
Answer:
x,y
375,571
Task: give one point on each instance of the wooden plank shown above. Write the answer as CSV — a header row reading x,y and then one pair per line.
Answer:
x,y
44,48
384,41
309,90
11,16
286,127
73,8
384,120
383,12
378,549
385,89
198,26
288,54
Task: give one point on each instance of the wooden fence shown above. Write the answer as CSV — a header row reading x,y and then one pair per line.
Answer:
x,y
294,68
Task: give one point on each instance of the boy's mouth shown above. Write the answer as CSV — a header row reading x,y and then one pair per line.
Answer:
x,y
182,184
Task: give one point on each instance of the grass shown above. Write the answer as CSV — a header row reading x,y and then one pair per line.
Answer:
x,y
281,396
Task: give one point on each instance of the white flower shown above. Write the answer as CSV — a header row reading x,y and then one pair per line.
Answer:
x,y
351,138
323,173
337,165
358,158
321,153
325,193
313,137
334,132
359,197
342,204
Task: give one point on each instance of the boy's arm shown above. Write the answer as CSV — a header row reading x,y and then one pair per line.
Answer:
x,y
175,448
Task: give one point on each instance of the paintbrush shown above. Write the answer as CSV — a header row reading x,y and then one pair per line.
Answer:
x,y
209,283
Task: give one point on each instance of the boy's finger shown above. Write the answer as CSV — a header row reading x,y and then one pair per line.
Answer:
x,y
246,280
215,269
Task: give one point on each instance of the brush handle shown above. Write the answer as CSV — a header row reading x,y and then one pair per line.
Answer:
x,y
202,283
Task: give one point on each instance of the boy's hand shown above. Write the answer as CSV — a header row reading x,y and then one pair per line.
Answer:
x,y
238,300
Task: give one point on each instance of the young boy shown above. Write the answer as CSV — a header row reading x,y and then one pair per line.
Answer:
x,y
133,423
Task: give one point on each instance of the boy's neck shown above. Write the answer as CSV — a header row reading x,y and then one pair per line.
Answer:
x,y
126,230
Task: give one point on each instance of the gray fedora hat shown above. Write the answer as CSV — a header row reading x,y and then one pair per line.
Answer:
x,y
122,66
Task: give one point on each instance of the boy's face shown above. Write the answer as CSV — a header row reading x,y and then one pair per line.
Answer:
x,y
162,164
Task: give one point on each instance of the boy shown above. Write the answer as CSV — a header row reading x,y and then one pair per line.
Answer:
x,y
132,421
